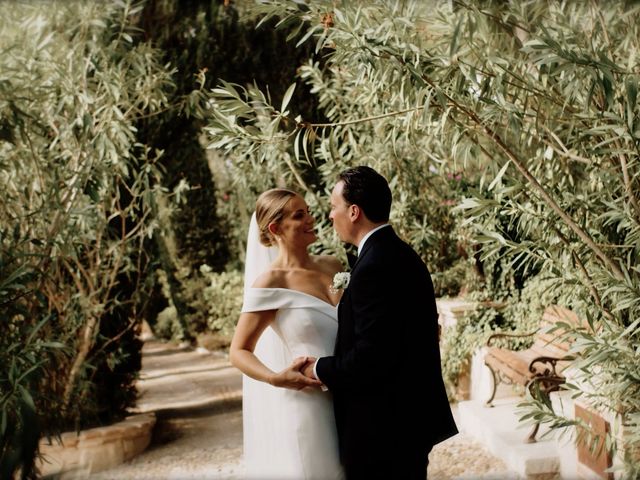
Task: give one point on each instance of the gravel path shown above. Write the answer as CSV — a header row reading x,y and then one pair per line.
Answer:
x,y
198,435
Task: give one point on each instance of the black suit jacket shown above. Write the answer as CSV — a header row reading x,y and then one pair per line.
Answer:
x,y
385,376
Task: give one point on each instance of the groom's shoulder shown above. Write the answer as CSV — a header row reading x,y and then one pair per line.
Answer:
x,y
400,253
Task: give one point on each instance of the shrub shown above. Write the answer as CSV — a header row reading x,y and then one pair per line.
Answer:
x,y
223,296
77,208
216,300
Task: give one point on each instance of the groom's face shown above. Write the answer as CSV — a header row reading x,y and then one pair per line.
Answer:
x,y
339,214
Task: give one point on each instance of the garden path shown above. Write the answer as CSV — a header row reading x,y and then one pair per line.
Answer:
x,y
196,395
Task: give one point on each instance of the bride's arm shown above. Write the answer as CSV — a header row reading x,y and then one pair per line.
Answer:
x,y
250,327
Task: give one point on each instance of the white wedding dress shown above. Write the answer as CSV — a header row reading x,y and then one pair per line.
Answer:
x,y
288,434
304,442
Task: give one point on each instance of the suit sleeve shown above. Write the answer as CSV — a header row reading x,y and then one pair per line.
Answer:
x,y
378,311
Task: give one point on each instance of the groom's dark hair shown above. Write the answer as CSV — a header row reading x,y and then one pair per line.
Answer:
x,y
365,187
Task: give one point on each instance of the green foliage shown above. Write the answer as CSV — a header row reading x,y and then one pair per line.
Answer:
x,y
206,41
216,299
272,143
224,297
76,211
534,102
461,340
167,325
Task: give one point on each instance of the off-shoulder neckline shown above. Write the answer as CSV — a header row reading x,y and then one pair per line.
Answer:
x,y
296,291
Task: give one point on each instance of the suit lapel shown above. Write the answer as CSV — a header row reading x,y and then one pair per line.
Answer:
x,y
351,259
345,322
381,235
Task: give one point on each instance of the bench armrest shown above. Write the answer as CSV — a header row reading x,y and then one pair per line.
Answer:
x,y
550,364
496,336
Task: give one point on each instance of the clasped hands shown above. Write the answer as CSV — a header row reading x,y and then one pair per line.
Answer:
x,y
297,376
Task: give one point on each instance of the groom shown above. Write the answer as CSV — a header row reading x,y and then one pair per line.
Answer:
x,y
389,397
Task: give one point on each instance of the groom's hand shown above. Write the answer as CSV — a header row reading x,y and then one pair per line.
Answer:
x,y
293,378
307,369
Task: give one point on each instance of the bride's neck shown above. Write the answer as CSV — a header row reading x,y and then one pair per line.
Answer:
x,y
293,259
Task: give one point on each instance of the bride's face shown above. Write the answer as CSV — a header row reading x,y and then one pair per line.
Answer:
x,y
297,225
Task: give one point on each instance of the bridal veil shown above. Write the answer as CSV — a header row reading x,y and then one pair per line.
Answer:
x,y
262,409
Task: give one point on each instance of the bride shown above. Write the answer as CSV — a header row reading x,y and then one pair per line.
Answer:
x,y
289,312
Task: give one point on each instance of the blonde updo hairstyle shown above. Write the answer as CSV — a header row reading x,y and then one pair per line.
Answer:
x,y
269,209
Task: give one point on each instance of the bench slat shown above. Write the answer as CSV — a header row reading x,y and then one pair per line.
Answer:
x,y
548,350
512,370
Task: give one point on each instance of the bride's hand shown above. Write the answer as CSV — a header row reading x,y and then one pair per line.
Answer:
x,y
293,378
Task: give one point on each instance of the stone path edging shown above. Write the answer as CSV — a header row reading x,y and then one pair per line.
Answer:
x,y
76,455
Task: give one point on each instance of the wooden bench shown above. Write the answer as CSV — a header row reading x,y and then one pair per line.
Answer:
x,y
538,368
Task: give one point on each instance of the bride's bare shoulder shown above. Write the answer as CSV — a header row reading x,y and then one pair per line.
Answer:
x,y
270,279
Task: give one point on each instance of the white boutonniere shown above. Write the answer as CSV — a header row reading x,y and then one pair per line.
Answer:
x,y
340,281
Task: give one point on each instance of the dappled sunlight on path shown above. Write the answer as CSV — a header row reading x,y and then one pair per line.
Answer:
x,y
463,458
196,396
186,379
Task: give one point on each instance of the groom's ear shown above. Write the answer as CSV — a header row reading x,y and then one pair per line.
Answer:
x,y
354,212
